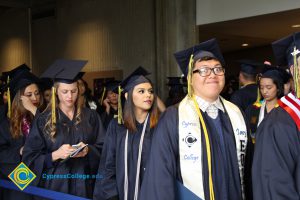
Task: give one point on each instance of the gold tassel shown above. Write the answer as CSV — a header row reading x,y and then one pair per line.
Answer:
x,y
8,100
53,113
189,76
257,102
120,113
296,75
102,96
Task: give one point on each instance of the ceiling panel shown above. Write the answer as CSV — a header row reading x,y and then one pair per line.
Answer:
x,y
256,31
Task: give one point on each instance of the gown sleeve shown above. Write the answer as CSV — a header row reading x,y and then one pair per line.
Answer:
x,y
35,154
9,148
160,176
276,167
236,99
106,188
95,149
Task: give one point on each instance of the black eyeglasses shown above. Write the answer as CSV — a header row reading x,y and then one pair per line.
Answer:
x,y
206,71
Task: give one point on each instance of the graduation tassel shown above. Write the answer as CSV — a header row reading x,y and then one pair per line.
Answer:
x,y
8,100
189,76
257,103
120,113
296,74
102,96
53,113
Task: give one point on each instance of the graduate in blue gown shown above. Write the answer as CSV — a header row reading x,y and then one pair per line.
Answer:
x,y
16,125
207,157
110,103
271,89
246,95
62,125
276,169
127,145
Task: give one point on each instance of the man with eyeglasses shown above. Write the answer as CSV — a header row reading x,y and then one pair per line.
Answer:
x,y
199,146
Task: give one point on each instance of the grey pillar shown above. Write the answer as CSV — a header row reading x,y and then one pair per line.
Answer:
x,y
175,30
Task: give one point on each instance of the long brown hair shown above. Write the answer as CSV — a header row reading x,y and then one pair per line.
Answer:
x,y
129,116
50,129
18,112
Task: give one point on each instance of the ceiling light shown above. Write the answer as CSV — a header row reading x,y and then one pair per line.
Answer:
x,y
245,45
296,26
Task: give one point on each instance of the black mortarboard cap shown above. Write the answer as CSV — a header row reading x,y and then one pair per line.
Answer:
x,y
112,85
174,81
209,48
79,75
250,66
283,49
22,80
135,78
65,71
14,72
286,76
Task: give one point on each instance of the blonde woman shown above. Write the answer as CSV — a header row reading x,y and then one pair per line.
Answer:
x,y
59,131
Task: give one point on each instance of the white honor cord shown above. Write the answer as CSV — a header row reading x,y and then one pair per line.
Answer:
x,y
138,166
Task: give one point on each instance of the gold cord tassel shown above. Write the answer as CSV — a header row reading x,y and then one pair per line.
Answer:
x,y
53,113
120,113
296,75
8,100
208,151
189,76
257,102
102,96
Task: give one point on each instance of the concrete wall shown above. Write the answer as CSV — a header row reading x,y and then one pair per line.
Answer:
x,y
111,35
14,39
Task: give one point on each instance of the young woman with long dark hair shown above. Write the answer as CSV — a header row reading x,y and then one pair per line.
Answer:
x,y
127,145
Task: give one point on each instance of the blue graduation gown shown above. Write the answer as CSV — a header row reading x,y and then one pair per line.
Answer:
x,y
245,96
10,158
112,161
163,169
276,168
39,147
106,118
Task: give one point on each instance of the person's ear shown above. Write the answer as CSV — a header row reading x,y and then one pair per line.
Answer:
x,y
126,95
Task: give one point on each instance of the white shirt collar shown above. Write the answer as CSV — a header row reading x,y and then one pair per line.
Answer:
x,y
203,105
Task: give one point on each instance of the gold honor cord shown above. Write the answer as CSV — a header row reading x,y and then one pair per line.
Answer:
x,y
120,113
208,152
53,115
